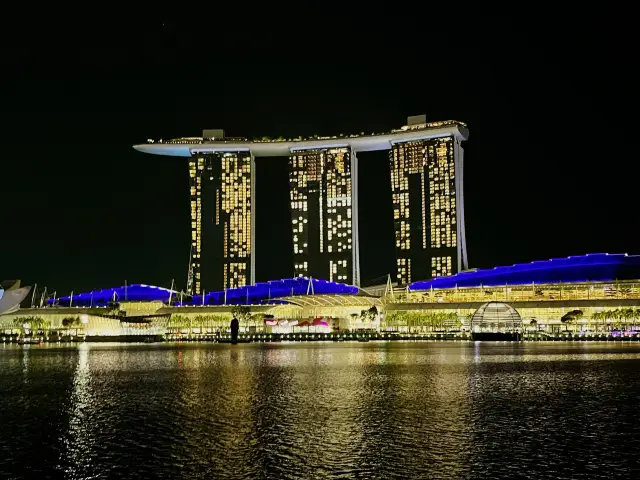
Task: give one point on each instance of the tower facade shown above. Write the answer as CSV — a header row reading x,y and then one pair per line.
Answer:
x,y
323,194
428,208
222,233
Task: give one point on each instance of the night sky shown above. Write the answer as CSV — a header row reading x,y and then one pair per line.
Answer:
x,y
549,166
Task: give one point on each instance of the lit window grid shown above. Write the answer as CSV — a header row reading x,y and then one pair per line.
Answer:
x,y
404,270
441,266
338,270
299,189
195,169
233,209
338,217
327,173
435,158
442,197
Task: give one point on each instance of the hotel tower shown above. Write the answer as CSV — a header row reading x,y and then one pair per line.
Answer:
x,y
428,207
221,191
322,189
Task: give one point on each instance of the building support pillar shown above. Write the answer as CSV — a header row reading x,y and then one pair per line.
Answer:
x,y
463,261
252,256
355,241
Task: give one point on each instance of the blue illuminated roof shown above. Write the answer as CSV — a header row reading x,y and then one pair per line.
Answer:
x,y
594,267
267,292
262,292
138,292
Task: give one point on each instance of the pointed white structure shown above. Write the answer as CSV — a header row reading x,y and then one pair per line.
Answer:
x,y
171,292
10,299
388,291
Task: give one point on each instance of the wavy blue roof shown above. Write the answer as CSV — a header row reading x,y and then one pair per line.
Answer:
x,y
594,267
262,292
267,292
138,292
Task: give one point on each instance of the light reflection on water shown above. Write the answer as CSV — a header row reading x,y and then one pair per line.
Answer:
x,y
375,410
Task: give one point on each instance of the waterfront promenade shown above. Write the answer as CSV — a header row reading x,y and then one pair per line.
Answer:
x,y
225,337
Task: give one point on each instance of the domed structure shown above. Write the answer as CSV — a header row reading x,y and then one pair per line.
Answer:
x,y
496,317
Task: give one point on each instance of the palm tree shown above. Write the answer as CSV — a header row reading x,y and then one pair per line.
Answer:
x,y
629,315
177,322
72,322
597,316
34,324
572,317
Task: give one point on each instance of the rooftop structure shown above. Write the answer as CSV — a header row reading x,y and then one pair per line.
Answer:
x,y
138,292
281,147
249,295
262,292
595,267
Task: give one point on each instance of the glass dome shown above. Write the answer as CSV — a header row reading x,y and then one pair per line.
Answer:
x,y
496,317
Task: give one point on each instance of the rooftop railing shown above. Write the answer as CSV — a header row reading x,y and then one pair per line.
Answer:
x,y
201,140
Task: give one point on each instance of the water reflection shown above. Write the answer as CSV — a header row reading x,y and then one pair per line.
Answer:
x,y
79,441
375,410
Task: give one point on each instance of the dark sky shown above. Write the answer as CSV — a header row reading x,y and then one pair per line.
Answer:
x,y
549,166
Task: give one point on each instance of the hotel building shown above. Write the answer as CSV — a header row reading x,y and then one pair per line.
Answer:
x,y
221,199
428,207
321,187
426,174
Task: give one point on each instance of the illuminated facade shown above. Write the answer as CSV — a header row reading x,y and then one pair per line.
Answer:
x,y
426,171
221,191
595,294
426,184
322,189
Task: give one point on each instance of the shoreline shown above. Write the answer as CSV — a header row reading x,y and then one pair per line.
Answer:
x,y
312,337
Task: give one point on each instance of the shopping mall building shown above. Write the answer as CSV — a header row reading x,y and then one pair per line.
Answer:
x,y
585,294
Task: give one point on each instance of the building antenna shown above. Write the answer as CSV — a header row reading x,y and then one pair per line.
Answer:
x,y
389,289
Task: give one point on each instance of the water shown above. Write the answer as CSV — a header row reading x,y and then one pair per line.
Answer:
x,y
354,410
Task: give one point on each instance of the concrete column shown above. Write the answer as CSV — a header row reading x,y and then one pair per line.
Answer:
x,y
253,221
355,242
463,262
